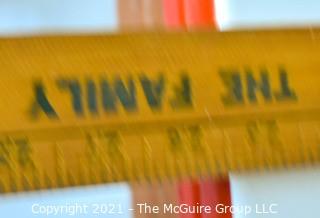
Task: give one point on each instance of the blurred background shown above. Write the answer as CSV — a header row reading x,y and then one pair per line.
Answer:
x,y
295,192
35,16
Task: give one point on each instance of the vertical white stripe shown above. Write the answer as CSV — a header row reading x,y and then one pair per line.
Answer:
x,y
222,13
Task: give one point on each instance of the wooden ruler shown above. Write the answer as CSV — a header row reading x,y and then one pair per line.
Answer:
x,y
79,110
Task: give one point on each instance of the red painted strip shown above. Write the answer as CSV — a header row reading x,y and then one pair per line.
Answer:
x,y
199,13
189,193
213,192
173,12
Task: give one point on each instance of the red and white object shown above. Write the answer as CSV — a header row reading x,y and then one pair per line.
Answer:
x,y
199,14
174,13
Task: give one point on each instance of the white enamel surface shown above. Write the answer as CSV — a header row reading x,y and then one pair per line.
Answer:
x,y
55,16
267,13
296,193
92,201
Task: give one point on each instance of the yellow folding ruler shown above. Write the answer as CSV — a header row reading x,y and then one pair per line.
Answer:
x,y
79,110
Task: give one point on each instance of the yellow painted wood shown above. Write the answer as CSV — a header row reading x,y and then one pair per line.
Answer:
x,y
79,110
